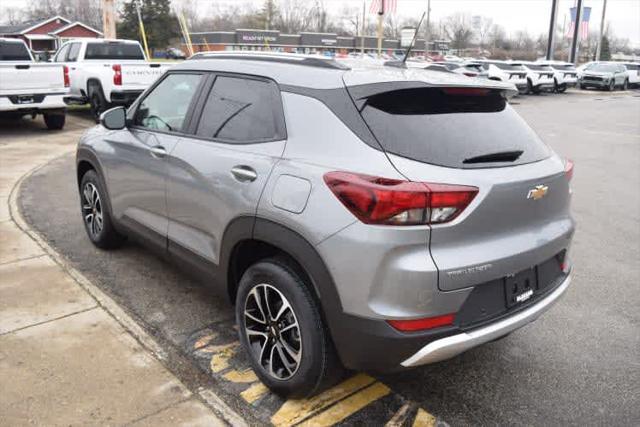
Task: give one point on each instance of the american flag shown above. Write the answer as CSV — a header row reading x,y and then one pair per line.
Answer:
x,y
389,6
584,22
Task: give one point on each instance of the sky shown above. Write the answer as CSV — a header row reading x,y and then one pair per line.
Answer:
x,y
623,16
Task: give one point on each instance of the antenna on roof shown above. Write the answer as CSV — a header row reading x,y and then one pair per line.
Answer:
x,y
402,64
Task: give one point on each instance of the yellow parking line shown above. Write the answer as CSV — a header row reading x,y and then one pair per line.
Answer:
x,y
424,419
246,376
400,416
349,406
255,392
294,411
223,353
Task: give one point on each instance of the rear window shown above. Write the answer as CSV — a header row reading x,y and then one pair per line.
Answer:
x,y
113,51
13,52
450,128
509,67
564,67
538,67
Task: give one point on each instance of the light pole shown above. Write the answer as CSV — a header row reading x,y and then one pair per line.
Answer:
x,y
427,30
552,30
599,48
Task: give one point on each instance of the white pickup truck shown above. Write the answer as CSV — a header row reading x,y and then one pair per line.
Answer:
x,y
107,72
29,88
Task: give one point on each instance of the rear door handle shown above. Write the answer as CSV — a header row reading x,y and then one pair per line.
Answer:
x,y
158,151
244,173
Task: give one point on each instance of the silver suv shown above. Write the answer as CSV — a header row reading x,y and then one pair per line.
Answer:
x,y
363,216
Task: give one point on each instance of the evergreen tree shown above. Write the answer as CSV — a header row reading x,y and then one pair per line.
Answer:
x,y
160,24
605,51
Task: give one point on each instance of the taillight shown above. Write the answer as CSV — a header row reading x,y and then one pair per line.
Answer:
x,y
568,169
375,200
65,73
422,324
117,74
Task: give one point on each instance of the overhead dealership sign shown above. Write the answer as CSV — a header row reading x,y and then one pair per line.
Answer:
x,y
256,37
406,36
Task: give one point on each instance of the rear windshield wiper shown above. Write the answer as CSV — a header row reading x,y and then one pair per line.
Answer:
x,y
502,156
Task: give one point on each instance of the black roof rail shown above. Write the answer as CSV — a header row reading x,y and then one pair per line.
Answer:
x,y
290,58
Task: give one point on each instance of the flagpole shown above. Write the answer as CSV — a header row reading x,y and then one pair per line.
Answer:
x,y
427,31
576,33
552,30
599,47
380,22
362,27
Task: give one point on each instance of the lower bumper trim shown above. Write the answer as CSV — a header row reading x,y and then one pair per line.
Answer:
x,y
449,347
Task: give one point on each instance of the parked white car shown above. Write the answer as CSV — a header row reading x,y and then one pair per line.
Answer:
x,y
565,74
29,88
107,72
633,72
504,72
539,77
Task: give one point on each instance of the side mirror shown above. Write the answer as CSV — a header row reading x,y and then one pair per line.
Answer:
x,y
114,118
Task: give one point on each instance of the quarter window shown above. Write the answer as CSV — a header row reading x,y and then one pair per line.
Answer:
x,y
73,52
62,53
242,110
166,106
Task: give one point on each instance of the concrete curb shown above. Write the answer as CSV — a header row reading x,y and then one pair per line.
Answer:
x,y
106,303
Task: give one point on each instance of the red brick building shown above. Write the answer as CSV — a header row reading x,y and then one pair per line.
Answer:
x,y
48,34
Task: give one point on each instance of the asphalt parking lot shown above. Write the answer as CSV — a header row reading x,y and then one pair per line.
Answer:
x,y
576,365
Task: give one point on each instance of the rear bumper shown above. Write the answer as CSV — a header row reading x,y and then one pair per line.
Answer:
x,y
42,102
448,347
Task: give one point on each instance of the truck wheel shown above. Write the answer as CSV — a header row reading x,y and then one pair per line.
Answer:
x,y
97,102
280,328
54,121
96,213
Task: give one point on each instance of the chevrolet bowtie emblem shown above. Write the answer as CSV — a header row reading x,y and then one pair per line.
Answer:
x,y
538,193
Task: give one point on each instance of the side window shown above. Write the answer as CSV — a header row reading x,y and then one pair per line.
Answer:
x,y
61,56
242,110
166,106
74,50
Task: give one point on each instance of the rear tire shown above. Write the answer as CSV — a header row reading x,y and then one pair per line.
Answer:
x,y
289,348
96,213
54,121
97,101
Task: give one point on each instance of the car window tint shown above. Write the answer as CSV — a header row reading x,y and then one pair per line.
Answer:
x,y
62,53
241,110
13,51
166,106
436,126
72,56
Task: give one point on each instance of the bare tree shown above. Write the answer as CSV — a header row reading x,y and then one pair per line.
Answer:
x,y
484,29
295,16
497,36
11,15
459,30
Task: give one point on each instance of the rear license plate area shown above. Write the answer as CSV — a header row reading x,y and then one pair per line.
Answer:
x,y
25,99
520,287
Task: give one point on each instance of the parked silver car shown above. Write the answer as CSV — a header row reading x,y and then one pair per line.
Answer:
x,y
605,75
372,217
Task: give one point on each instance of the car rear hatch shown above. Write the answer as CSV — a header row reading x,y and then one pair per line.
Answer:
x,y
471,136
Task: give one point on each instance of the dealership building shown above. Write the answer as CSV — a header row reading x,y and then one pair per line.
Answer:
x,y
305,42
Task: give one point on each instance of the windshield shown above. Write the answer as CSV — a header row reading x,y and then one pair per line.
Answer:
x,y
113,51
12,51
446,126
603,68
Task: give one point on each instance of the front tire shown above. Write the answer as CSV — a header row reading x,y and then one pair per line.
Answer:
x,y
625,85
96,213
612,86
54,121
280,328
